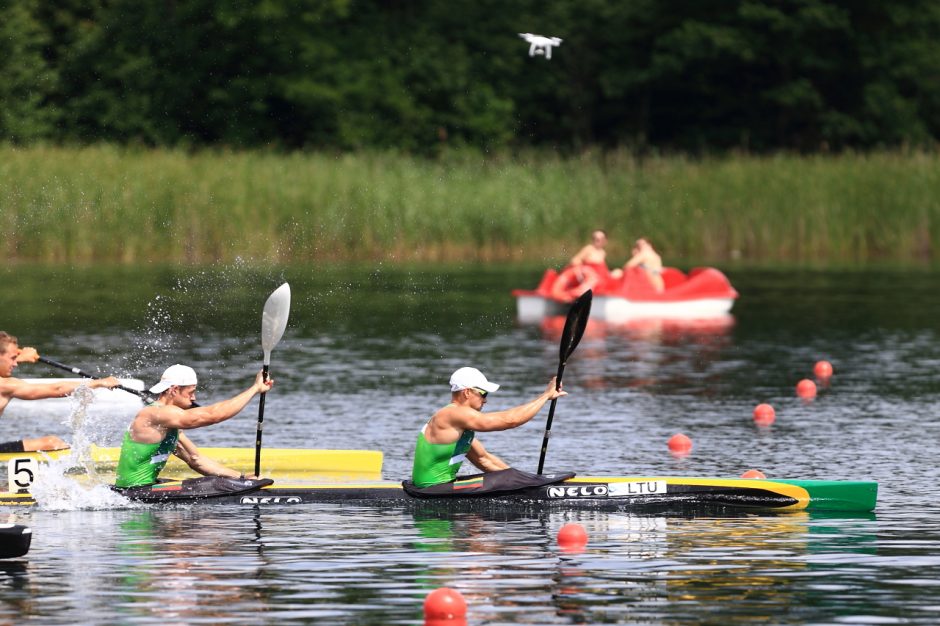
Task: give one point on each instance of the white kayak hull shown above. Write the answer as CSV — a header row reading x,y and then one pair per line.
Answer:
x,y
108,400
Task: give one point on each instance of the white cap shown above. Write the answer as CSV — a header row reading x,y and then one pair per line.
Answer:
x,y
175,376
467,377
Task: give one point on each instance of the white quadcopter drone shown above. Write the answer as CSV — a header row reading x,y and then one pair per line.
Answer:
x,y
540,45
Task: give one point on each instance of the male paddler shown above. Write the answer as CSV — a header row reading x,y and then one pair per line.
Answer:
x,y
448,437
12,355
155,433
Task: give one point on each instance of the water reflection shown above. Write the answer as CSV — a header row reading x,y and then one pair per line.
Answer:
x,y
647,566
652,330
170,570
638,567
647,352
339,565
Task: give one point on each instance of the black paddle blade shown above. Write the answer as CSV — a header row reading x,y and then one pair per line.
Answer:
x,y
575,324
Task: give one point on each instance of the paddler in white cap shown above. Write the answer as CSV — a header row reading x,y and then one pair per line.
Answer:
x,y
448,437
155,433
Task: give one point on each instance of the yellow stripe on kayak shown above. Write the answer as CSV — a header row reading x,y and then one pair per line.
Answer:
x,y
277,463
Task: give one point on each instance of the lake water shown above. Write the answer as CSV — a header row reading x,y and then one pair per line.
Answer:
x,y
365,360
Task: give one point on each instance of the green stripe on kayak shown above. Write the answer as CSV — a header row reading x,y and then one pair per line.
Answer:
x,y
838,495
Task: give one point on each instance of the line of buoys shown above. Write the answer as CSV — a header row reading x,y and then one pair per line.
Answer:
x,y
764,414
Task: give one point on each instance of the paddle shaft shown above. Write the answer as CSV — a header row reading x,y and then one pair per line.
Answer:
x,y
575,324
551,415
264,374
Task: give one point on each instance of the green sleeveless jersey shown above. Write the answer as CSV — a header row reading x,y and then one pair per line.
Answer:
x,y
437,463
141,463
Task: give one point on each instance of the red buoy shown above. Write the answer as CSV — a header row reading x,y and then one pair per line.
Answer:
x,y
572,536
823,369
806,388
444,603
680,444
753,473
764,415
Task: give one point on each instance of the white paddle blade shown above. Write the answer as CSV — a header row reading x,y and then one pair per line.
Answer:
x,y
274,319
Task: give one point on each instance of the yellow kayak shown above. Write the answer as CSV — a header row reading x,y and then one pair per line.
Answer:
x,y
277,463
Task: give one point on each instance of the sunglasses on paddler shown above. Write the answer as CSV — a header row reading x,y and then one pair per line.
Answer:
x,y
482,393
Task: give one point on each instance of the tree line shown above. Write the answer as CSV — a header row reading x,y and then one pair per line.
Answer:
x,y
417,75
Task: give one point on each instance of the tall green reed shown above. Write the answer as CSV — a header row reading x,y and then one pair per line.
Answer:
x,y
110,204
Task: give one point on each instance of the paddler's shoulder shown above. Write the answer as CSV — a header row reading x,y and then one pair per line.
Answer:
x,y
155,410
447,416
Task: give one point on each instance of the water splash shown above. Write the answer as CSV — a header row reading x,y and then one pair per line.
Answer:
x,y
71,482
79,425
57,488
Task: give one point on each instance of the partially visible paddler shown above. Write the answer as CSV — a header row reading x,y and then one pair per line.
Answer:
x,y
449,436
155,433
11,355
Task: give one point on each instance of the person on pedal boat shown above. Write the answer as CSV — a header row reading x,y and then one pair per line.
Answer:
x,y
449,436
594,257
155,432
11,355
646,258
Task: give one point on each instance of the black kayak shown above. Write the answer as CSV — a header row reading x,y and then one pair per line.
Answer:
x,y
521,491
648,494
14,540
518,490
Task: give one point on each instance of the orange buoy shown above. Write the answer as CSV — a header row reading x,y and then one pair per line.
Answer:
x,y
680,444
753,473
572,536
444,603
764,414
823,369
806,388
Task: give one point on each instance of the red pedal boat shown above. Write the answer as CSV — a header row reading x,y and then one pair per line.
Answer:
x,y
705,292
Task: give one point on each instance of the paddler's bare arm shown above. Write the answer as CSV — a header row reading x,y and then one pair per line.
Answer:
x,y
466,418
173,417
486,461
22,390
189,453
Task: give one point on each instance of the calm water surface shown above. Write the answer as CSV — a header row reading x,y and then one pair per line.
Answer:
x,y
366,359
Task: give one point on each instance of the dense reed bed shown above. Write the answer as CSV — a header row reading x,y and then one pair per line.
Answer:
x,y
110,204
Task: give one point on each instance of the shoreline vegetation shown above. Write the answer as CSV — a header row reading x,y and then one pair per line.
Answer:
x,y
108,204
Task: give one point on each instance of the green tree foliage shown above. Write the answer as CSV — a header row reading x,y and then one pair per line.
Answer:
x,y
26,79
416,75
